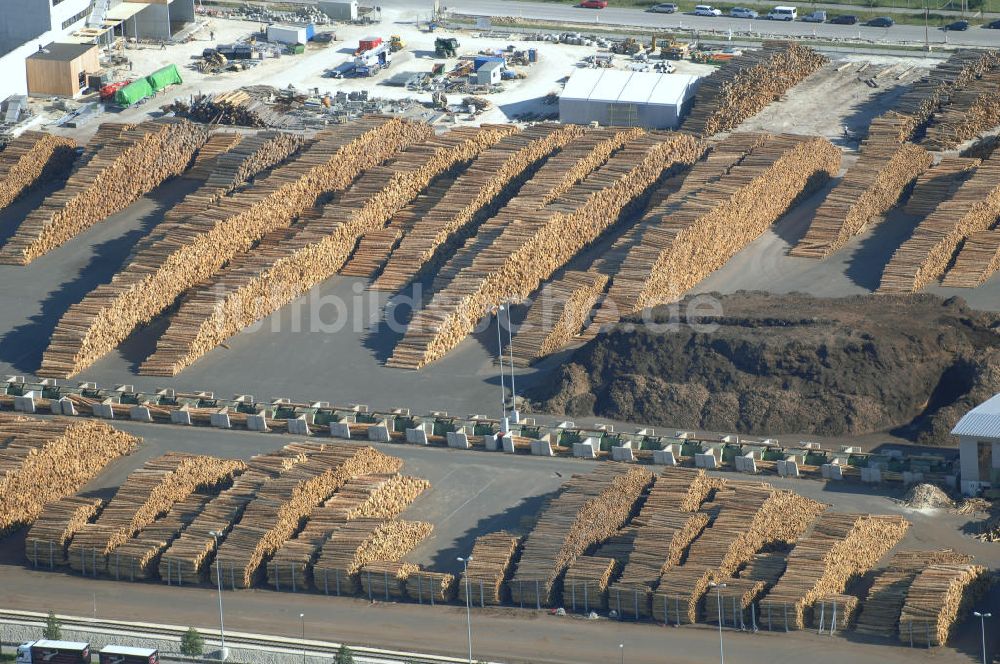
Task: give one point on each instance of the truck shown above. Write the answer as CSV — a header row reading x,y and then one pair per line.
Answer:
x,y
128,655
53,652
446,47
372,61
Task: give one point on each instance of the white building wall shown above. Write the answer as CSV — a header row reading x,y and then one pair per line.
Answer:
x,y
13,77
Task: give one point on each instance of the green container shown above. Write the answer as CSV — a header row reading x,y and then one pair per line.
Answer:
x,y
296,49
134,92
163,78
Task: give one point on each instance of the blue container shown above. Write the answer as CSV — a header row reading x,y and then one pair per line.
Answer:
x,y
532,55
310,31
483,59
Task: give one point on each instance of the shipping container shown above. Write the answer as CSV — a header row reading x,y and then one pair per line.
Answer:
x,y
367,44
286,34
128,655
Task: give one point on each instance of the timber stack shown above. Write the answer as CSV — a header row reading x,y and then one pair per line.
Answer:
x,y
585,586
32,158
939,183
493,557
978,259
431,587
941,596
49,536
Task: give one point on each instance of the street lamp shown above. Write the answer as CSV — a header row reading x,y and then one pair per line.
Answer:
x,y
510,347
218,578
503,390
621,648
982,625
718,600
468,599
302,617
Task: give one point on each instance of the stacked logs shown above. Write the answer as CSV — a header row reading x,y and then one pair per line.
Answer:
x,y
217,143
840,547
431,587
31,158
590,508
585,586
277,512
941,596
766,567
371,251
529,251
48,537
385,580
200,246
476,194
835,613
744,86
491,560
970,112
939,183
118,175
43,460
287,267
977,260
925,256
732,604
235,107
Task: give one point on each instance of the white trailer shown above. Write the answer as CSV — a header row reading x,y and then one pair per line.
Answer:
x,y
287,34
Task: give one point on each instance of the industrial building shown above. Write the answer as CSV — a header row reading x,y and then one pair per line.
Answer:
x,y
61,69
979,447
611,97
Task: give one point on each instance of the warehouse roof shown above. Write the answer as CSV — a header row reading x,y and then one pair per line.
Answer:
x,y
615,85
581,84
61,52
983,421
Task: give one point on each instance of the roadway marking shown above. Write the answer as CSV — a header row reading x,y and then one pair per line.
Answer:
x,y
473,497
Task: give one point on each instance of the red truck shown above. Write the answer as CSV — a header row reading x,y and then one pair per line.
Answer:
x,y
367,44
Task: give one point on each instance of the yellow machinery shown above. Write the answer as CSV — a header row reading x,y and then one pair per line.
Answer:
x,y
396,43
670,48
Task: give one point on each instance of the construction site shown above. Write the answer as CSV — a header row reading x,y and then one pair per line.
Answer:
x,y
740,302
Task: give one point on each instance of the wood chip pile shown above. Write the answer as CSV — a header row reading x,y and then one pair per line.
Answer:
x,y
939,183
279,271
585,586
44,460
737,600
590,508
925,256
31,158
977,260
835,613
431,587
385,580
119,174
744,86
47,539
493,557
970,112
840,548
941,596
475,195
202,244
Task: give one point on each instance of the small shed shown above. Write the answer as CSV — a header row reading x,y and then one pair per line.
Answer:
x,y
489,73
61,70
979,447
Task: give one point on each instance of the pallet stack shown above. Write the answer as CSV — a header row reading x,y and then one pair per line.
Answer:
x,y
585,586
744,86
204,243
939,183
978,259
47,539
118,175
493,556
589,509
282,269
32,158
44,460
941,596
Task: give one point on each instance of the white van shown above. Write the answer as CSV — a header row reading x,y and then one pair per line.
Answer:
x,y
783,14
707,10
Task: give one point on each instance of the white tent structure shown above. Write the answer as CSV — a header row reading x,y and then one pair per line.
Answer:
x,y
616,98
979,446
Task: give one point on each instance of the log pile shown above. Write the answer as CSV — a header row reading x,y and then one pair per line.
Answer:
x,y
235,107
970,112
385,580
835,613
48,537
31,158
119,174
372,249
200,246
839,548
925,256
491,561
431,587
279,271
277,512
541,241
744,86
941,596
589,509
977,260
44,460
476,194
217,143
939,183
585,586
766,567
737,598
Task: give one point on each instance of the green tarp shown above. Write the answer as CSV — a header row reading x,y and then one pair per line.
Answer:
x,y
162,78
133,92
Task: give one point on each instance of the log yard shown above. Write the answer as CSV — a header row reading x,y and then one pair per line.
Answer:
x,y
734,272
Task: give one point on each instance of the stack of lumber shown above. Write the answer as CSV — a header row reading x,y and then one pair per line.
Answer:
x,y
385,580
880,612
557,314
202,244
835,613
585,586
869,189
217,143
476,194
840,548
277,512
977,260
119,174
361,542
982,148
970,111
703,227
766,567
424,586
589,509
235,107
31,158
372,249
744,86
532,248
147,494
925,256
491,560
941,596
939,183
48,537
44,460
737,598
279,271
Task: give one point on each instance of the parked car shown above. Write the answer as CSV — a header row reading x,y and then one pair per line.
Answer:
x,y
995,25
881,22
816,17
957,26
707,10
783,14
663,8
742,12
594,4
844,19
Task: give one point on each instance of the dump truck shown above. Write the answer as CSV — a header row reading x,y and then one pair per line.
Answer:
x,y
446,47
53,652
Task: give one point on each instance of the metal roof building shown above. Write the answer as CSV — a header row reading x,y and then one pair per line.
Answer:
x,y
979,447
617,98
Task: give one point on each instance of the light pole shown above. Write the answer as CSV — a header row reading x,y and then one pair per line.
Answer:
x,y
302,617
503,390
982,625
218,578
468,601
510,346
621,649
718,600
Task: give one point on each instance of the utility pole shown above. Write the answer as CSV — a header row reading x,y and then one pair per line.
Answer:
x,y
468,601
513,392
218,579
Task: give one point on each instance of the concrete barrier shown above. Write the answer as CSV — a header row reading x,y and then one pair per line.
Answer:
x,y
584,451
706,460
490,442
871,475
622,453
664,457
26,402
379,433
746,463
257,422
787,468
458,440
832,471
541,448
416,436
220,420
340,429
66,406
508,444
140,414
180,417
298,426
104,410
